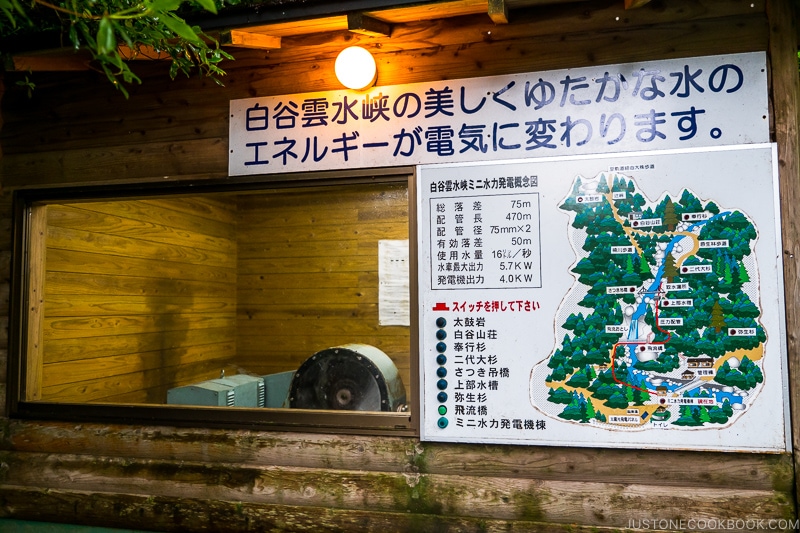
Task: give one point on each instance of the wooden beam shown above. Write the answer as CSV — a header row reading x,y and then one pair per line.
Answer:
x,y
61,60
68,60
430,11
632,4
36,280
141,52
250,40
303,26
498,11
366,25
785,87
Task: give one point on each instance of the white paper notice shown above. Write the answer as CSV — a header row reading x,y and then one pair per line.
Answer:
x,y
393,289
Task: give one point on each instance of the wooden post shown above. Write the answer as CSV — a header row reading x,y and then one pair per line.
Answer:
x,y
250,40
34,355
785,87
498,11
366,25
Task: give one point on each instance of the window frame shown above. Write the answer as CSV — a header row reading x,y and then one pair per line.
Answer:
x,y
283,419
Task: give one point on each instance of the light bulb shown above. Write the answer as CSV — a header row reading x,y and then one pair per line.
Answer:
x,y
355,68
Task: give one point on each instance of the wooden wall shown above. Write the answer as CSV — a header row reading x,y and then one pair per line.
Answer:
x,y
59,136
170,479
5,278
308,274
139,298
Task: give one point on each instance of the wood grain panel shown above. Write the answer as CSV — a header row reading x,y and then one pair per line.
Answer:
x,y
72,283
342,214
219,210
87,241
163,215
99,305
307,274
784,72
320,296
333,233
205,158
489,497
87,327
116,365
77,262
288,281
309,345
384,197
360,329
140,297
313,265
194,514
304,309
78,348
284,247
145,386
129,219
392,454
36,298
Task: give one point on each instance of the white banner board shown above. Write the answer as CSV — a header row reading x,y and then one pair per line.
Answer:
x,y
622,300
652,105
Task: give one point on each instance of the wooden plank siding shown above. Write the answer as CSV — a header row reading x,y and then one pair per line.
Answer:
x,y
5,280
145,295
138,298
246,298
783,47
183,127
308,274
262,481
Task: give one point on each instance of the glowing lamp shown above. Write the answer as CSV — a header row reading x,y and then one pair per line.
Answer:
x,y
355,68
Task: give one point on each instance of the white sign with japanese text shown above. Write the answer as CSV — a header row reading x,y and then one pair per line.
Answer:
x,y
652,105
620,300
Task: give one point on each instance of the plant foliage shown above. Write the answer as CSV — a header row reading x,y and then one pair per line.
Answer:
x,y
116,30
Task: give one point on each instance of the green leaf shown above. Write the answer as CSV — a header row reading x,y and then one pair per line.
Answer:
x,y
164,5
73,36
7,7
114,59
12,9
28,85
119,28
106,40
180,28
208,5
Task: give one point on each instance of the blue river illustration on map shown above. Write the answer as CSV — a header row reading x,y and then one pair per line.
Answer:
x,y
661,328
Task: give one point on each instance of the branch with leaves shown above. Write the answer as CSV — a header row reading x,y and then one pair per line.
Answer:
x,y
144,26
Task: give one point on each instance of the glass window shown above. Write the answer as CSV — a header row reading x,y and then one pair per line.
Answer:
x,y
293,300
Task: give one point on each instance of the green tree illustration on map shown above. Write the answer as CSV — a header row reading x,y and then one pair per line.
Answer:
x,y
670,218
717,318
588,375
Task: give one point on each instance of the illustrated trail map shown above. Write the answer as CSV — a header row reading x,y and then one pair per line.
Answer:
x,y
662,327
615,300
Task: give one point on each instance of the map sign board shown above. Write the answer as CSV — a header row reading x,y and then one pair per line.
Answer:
x,y
621,300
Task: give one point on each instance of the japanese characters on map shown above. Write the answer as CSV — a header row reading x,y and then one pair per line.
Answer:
x,y
472,381
478,243
491,242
